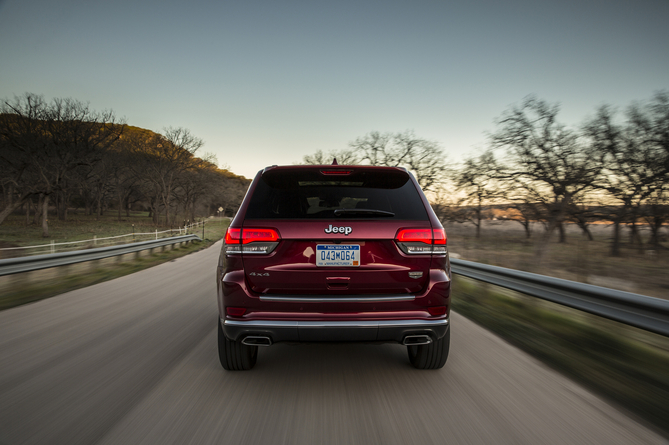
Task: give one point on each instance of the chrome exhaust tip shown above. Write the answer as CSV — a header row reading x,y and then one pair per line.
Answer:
x,y
252,340
415,340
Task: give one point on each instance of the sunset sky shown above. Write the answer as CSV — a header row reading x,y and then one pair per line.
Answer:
x,y
267,82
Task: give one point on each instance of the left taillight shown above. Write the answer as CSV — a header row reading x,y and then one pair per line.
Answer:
x,y
421,241
251,240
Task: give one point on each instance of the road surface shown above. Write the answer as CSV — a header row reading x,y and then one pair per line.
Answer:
x,y
134,361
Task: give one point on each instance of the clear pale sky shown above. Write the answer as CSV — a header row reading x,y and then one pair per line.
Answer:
x,y
267,82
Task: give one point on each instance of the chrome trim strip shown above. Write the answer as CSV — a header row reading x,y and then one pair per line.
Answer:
x,y
337,324
351,299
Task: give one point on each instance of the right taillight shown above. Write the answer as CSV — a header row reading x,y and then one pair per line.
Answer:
x,y
251,240
439,242
421,241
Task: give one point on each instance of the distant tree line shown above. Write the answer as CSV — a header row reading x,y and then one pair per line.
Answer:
x,y
63,155
611,168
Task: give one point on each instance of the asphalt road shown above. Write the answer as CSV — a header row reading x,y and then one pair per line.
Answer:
x,y
134,361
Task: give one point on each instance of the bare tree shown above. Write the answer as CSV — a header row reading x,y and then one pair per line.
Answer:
x,y
477,179
656,214
547,163
161,161
21,140
424,158
446,206
374,148
636,158
526,212
54,139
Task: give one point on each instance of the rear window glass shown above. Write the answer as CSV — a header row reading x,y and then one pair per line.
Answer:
x,y
308,194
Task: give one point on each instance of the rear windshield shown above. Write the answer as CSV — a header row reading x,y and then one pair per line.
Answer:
x,y
308,194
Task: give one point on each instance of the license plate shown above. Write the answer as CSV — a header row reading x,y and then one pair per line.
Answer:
x,y
337,255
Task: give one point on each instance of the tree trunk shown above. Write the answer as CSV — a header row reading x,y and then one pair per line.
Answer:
x,y
11,205
478,220
563,235
45,216
586,231
29,204
120,202
542,246
61,205
98,208
8,211
615,242
38,212
655,227
635,237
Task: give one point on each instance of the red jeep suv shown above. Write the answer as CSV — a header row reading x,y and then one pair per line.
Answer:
x,y
334,253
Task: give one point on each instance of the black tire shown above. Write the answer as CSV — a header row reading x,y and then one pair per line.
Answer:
x,y
235,356
430,356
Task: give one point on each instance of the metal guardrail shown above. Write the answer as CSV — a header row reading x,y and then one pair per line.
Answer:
x,y
641,311
11,266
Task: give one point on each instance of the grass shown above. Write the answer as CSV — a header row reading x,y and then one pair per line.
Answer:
x,y
25,288
624,364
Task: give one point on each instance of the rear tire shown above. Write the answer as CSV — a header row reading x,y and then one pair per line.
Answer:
x,y
430,356
235,356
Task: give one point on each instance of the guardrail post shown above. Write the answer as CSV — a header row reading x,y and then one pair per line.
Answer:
x,y
53,247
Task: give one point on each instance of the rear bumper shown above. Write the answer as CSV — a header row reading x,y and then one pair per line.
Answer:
x,y
334,331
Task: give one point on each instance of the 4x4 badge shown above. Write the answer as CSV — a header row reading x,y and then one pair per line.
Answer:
x,y
344,230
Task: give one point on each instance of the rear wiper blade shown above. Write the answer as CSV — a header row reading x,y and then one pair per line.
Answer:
x,y
362,212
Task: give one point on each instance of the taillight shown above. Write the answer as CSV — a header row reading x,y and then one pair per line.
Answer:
x,y
251,240
259,235
439,237
421,241
233,236
414,236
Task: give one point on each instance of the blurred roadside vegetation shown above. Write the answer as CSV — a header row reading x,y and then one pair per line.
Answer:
x,y
25,288
504,243
626,365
